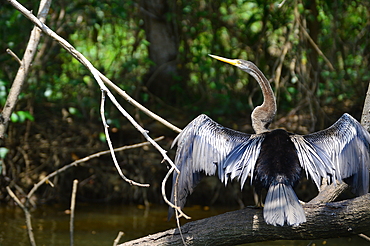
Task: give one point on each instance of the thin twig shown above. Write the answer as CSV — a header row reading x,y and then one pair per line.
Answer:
x,y
281,4
133,146
130,100
165,197
177,211
109,142
27,215
116,241
73,203
316,47
10,52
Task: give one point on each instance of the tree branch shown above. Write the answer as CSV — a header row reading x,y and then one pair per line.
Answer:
x,y
72,215
337,219
110,145
70,49
27,214
316,47
365,119
23,70
329,193
120,234
97,76
134,103
82,59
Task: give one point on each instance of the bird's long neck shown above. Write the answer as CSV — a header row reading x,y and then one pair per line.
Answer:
x,y
264,114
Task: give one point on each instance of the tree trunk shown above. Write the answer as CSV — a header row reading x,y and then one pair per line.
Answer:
x,y
163,49
337,219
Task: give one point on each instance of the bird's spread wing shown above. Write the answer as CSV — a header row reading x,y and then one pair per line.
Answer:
x,y
242,159
314,160
340,151
205,146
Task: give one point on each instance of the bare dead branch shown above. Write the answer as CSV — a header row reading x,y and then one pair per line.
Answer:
x,y
329,193
14,92
109,142
72,216
316,47
69,48
331,220
281,4
120,234
76,54
97,75
10,52
23,70
178,212
178,209
365,118
27,215
130,100
364,237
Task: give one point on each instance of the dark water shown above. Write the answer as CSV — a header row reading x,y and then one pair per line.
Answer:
x,y
100,224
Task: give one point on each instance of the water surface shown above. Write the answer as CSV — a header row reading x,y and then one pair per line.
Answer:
x,y
100,224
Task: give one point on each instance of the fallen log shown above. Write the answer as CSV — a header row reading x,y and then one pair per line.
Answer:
x,y
325,220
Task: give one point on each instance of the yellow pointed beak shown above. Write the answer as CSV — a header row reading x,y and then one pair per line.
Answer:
x,y
234,62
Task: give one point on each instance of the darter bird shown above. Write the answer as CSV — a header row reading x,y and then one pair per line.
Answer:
x,y
273,159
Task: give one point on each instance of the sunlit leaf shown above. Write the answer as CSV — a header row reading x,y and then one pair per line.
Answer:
x,y
3,152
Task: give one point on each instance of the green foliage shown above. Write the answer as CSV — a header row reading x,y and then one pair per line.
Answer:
x,y
112,37
288,44
3,152
21,116
3,92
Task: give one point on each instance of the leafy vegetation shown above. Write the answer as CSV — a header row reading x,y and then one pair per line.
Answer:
x,y
57,116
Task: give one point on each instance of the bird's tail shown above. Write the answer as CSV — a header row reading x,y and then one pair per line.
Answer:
x,y
282,205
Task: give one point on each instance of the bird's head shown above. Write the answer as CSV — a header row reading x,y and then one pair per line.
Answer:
x,y
262,115
244,65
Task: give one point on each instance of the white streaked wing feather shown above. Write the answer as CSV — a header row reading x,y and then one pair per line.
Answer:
x,y
202,147
346,144
313,159
241,161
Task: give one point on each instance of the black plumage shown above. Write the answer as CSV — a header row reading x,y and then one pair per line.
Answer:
x,y
277,162
278,170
